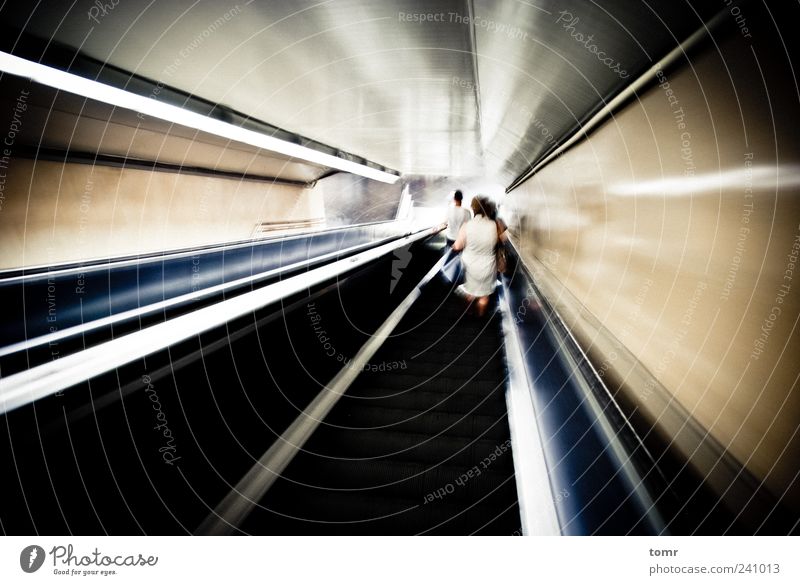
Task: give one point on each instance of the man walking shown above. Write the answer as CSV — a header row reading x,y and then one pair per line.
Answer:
x,y
456,217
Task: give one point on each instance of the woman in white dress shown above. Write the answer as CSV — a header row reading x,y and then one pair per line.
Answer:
x,y
478,238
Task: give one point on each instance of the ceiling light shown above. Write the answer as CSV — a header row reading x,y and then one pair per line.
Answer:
x,y
124,99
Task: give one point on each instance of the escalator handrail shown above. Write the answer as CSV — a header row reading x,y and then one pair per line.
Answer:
x,y
236,506
536,496
180,300
44,380
11,275
563,338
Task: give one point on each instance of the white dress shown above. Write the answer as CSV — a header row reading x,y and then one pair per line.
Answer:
x,y
479,257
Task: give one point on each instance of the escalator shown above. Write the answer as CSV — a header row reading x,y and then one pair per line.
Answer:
x,y
150,446
418,441
418,444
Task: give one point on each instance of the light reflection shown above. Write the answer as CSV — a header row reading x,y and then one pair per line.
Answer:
x,y
755,178
124,99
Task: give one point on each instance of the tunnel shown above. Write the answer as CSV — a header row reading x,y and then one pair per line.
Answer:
x,y
239,294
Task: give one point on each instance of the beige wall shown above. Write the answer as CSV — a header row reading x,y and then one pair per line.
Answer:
x,y
681,259
55,213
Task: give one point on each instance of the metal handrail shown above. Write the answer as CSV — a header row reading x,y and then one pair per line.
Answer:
x,y
44,380
177,301
28,272
236,506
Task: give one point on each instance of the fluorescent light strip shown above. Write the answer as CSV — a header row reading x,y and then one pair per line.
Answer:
x,y
25,387
166,303
124,99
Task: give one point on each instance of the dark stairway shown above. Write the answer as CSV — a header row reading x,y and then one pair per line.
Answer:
x,y
420,447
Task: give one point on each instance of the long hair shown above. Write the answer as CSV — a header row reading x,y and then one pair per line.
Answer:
x,y
482,205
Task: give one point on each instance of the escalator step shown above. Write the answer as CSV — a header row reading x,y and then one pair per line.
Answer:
x,y
408,447
426,367
405,479
481,385
428,423
301,512
465,400
422,447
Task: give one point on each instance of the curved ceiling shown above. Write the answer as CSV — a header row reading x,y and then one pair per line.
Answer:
x,y
451,88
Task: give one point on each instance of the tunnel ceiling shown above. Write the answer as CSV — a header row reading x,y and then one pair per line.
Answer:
x,y
457,88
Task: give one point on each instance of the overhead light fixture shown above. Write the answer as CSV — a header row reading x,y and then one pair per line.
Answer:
x,y
125,99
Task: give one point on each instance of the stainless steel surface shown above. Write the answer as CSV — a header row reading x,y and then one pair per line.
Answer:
x,y
351,199
545,66
448,87
675,227
630,91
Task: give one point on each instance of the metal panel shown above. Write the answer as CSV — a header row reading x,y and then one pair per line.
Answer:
x,y
451,87
347,73
543,67
668,235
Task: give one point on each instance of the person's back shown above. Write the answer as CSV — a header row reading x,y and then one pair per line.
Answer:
x,y
481,237
456,217
479,256
478,240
